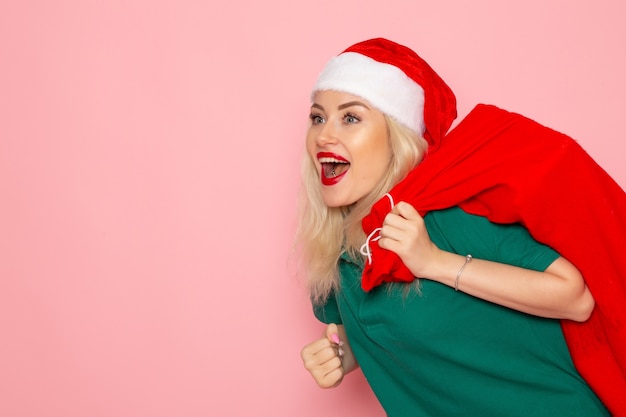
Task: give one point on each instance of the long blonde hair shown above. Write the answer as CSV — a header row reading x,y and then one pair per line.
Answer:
x,y
324,233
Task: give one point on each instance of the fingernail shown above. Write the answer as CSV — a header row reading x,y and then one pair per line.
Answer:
x,y
335,338
340,352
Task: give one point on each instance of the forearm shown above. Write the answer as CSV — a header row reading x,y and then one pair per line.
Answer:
x,y
559,292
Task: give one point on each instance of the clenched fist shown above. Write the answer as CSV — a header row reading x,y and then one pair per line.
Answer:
x,y
329,358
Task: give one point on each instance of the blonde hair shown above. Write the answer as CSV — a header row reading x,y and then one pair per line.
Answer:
x,y
324,233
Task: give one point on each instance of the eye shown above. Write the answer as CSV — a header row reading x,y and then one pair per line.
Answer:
x,y
316,119
350,118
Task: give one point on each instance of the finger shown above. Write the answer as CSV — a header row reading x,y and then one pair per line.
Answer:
x,y
325,359
324,362
327,355
391,233
323,349
332,334
395,227
332,367
407,211
394,221
317,345
335,377
310,351
330,379
390,244
402,215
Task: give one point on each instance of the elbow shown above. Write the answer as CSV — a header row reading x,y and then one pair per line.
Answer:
x,y
584,307
579,302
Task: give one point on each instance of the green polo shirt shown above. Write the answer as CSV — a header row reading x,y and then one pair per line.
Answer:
x,y
444,353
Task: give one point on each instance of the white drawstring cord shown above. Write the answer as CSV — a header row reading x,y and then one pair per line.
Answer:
x,y
365,249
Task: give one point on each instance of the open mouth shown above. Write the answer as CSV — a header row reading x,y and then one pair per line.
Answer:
x,y
334,168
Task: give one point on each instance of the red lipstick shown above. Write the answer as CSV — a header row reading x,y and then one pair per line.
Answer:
x,y
334,167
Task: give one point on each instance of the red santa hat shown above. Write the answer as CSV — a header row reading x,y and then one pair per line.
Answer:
x,y
395,80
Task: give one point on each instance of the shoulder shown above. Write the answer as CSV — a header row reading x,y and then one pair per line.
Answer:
x,y
455,224
455,230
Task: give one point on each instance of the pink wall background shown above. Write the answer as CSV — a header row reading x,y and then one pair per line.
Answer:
x,y
149,162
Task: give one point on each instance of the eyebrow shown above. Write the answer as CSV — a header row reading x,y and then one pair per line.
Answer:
x,y
343,106
352,103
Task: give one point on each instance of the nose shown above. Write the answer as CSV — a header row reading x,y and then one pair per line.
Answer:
x,y
327,135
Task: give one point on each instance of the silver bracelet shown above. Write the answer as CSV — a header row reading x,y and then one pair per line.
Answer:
x,y
468,259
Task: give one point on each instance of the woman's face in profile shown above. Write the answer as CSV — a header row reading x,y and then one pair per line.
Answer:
x,y
348,141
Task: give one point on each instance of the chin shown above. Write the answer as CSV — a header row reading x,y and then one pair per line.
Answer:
x,y
336,202
333,204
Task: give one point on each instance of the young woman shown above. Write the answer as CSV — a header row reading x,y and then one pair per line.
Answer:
x,y
477,332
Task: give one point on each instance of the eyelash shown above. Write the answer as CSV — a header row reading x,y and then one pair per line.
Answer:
x,y
314,118
356,119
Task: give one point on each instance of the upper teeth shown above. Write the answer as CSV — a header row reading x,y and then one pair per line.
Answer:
x,y
329,160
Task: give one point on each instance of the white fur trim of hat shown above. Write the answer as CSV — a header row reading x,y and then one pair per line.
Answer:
x,y
384,86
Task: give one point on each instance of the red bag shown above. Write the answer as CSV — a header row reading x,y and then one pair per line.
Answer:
x,y
510,169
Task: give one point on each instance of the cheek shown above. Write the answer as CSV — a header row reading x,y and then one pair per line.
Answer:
x,y
310,144
311,155
381,148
